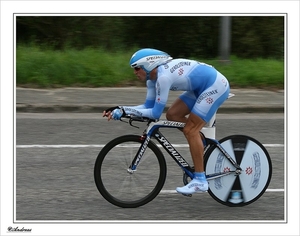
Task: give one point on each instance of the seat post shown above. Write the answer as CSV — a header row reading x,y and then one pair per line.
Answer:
x,y
209,130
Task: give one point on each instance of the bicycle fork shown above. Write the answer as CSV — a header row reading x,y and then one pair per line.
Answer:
x,y
136,160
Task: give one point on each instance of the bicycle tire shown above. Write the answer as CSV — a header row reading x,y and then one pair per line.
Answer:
x,y
122,188
239,190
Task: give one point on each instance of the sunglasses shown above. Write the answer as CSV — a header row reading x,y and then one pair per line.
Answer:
x,y
137,68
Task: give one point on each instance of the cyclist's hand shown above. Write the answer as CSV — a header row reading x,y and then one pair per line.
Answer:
x,y
114,113
108,113
117,114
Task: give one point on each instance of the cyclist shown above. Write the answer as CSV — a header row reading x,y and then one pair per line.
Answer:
x,y
205,89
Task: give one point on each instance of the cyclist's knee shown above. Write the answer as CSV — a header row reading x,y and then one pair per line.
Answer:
x,y
171,115
176,115
193,126
178,111
190,132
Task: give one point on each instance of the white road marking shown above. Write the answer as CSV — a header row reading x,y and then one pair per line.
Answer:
x,y
174,191
102,145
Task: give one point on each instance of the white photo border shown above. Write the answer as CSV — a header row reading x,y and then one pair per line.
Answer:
x,y
8,11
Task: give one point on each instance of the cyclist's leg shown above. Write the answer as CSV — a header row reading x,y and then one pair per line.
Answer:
x,y
181,107
191,131
205,107
178,112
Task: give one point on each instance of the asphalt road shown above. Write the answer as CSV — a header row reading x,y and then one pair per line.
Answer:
x,y
55,158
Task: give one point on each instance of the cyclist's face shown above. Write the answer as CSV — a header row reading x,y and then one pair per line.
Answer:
x,y
140,73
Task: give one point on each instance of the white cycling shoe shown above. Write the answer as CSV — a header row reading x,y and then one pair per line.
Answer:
x,y
195,186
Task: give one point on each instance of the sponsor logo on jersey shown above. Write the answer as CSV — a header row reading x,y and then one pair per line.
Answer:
x,y
180,64
158,91
180,71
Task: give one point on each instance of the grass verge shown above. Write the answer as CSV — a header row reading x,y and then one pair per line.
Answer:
x,y
46,68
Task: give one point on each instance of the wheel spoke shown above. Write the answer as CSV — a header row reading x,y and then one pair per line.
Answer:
x,y
125,189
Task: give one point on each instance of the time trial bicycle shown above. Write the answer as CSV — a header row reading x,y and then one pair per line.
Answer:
x,y
131,170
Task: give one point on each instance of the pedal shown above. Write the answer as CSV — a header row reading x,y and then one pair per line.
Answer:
x,y
187,195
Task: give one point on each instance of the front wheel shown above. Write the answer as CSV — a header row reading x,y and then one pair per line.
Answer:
x,y
251,183
125,188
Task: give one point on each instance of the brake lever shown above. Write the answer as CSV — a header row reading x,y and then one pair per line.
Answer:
x,y
130,122
123,120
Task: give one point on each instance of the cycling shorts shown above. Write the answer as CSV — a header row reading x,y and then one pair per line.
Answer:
x,y
206,103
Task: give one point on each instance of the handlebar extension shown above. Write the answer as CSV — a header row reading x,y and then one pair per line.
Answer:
x,y
136,118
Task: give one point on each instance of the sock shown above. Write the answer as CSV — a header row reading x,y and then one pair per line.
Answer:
x,y
200,175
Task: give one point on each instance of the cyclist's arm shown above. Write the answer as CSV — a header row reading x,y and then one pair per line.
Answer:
x,y
159,102
149,101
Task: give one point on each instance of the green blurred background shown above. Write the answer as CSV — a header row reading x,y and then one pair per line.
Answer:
x,y
94,51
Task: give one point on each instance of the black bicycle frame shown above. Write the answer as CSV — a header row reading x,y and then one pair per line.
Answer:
x,y
173,152
154,132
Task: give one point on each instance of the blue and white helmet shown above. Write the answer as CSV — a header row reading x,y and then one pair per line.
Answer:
x,y
148,59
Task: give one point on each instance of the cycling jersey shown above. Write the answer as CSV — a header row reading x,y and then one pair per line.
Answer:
x,y
206,89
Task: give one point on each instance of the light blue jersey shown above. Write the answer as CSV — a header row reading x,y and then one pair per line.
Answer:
x,y
205,89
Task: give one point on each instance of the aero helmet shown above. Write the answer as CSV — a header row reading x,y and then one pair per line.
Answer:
x,y
148,59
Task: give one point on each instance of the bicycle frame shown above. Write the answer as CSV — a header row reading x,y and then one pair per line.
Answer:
x,y
153,131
